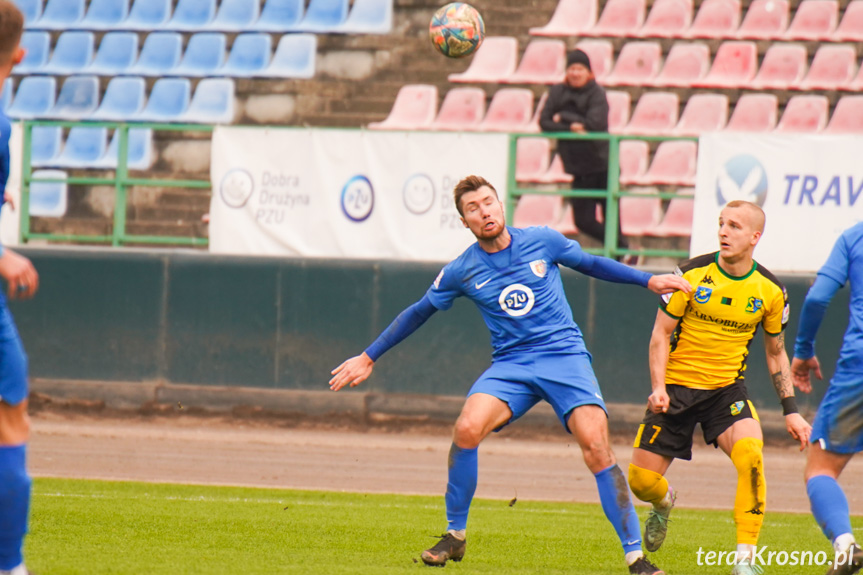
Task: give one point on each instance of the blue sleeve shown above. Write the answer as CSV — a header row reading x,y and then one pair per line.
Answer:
x,y
569,253
405,324
5,132
814,307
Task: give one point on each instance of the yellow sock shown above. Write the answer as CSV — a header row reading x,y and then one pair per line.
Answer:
x,y
647,485
749,505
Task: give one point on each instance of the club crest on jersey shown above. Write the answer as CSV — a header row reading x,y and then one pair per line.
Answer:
x,y
538,268
736,408
516,300
753,305
702,294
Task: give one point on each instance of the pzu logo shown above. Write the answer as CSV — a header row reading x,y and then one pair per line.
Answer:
x,y
516,300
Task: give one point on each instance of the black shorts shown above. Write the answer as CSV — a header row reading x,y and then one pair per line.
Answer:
x,y
670,433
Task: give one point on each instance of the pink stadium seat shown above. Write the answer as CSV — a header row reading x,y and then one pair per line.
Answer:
x,y
832,67
534,121
543,62
531,159
414,109
847,116
673,164
601,55
814,20
856,84
637,64
677,221
555,173
510,110
804,114
619,104
734,66
639,213
570,18
566,223
754,113
685,64
784,65
462,110
764,20
668,19
850,28
703,113
655,114
619,18
633,160
716,19
493,62
537,210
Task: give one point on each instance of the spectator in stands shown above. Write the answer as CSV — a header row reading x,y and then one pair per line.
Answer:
x,y
579,105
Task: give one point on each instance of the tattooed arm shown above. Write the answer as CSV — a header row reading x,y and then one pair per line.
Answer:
x,y
780,372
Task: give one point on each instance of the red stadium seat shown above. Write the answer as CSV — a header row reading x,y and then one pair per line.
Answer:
x,y
637,64
673,164
784,65
543,62
754,113
414,109
639,213
734,66
850,28
633,160
462,110
537,210
555,173
619,18
804,114
833,67
764,20
703,113
570,18
716,19
510,110
619,104
531,159
847,116
668,19
655,114
493,62
814,20
601,55
677,221
685,64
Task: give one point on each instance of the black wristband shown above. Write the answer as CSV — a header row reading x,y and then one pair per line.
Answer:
x,y
789,405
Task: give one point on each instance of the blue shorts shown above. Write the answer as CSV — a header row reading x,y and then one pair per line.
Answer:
x,y
13,361
838,425
565,381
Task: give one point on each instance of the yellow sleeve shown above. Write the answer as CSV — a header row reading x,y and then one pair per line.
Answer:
x,y
776,317
674,304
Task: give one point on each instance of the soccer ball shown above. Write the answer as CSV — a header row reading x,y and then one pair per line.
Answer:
x,y
456,30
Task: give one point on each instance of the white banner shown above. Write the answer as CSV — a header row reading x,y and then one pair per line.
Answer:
x,y
345,193
10,218
810,187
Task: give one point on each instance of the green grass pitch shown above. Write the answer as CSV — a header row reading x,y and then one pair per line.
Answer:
x,y
99,527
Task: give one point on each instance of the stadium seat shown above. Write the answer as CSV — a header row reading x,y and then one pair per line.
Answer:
x,y
601,55
754,113
531,158
784,65
814,20
703,113
117,53
213,102
148,15
685,64
673,164
46,143
160,55
32,10
294,57
847,116
655,114
533,126
764,20
34,98
413,109
619,104
105,14
192,15
236,15
555,173
6,95
715,19
139,150
61,15
280,16
833,67
324,15
79,97
48,199
633,160
37,47
668,19
462,110
619,18
637,64
368,17
543,62
734,66
84,147
494,61
850,28
677,221
250,55
570,18
537,210
72,54
639,213
204,56
169,100
856,85
510,110
124,98
805,113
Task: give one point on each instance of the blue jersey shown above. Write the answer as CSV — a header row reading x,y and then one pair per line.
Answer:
x,y
518,291
5,132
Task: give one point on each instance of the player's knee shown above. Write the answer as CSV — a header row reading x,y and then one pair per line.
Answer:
x,y
467,433
647,485
597,455
747,455
14,423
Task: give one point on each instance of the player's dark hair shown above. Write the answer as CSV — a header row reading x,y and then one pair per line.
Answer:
x,y
468,184
11,28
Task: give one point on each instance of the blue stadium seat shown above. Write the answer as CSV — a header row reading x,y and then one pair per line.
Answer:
x,y
280,16
161,53
45,145
84,147
369,17
79,97
105,14
205,55
324,15
168,101
148,15
192,15
32,10
294,57
34,98
213,102
250,55
48,199
6,95
236,15
38,47
61,15
72,54
139,153
124,98
117,53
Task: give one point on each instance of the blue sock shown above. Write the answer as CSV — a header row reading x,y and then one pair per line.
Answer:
x,y
829,506
14,504
617,505
461,485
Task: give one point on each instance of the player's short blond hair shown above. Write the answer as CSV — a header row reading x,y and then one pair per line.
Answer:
x,y
468,184
11,28
758,216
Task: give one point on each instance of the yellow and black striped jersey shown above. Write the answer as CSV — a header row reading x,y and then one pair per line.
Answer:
x,y
718,320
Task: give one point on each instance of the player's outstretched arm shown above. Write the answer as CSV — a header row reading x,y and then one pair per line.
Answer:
x,y
352,372
668,283
660,341
20,274
780,372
